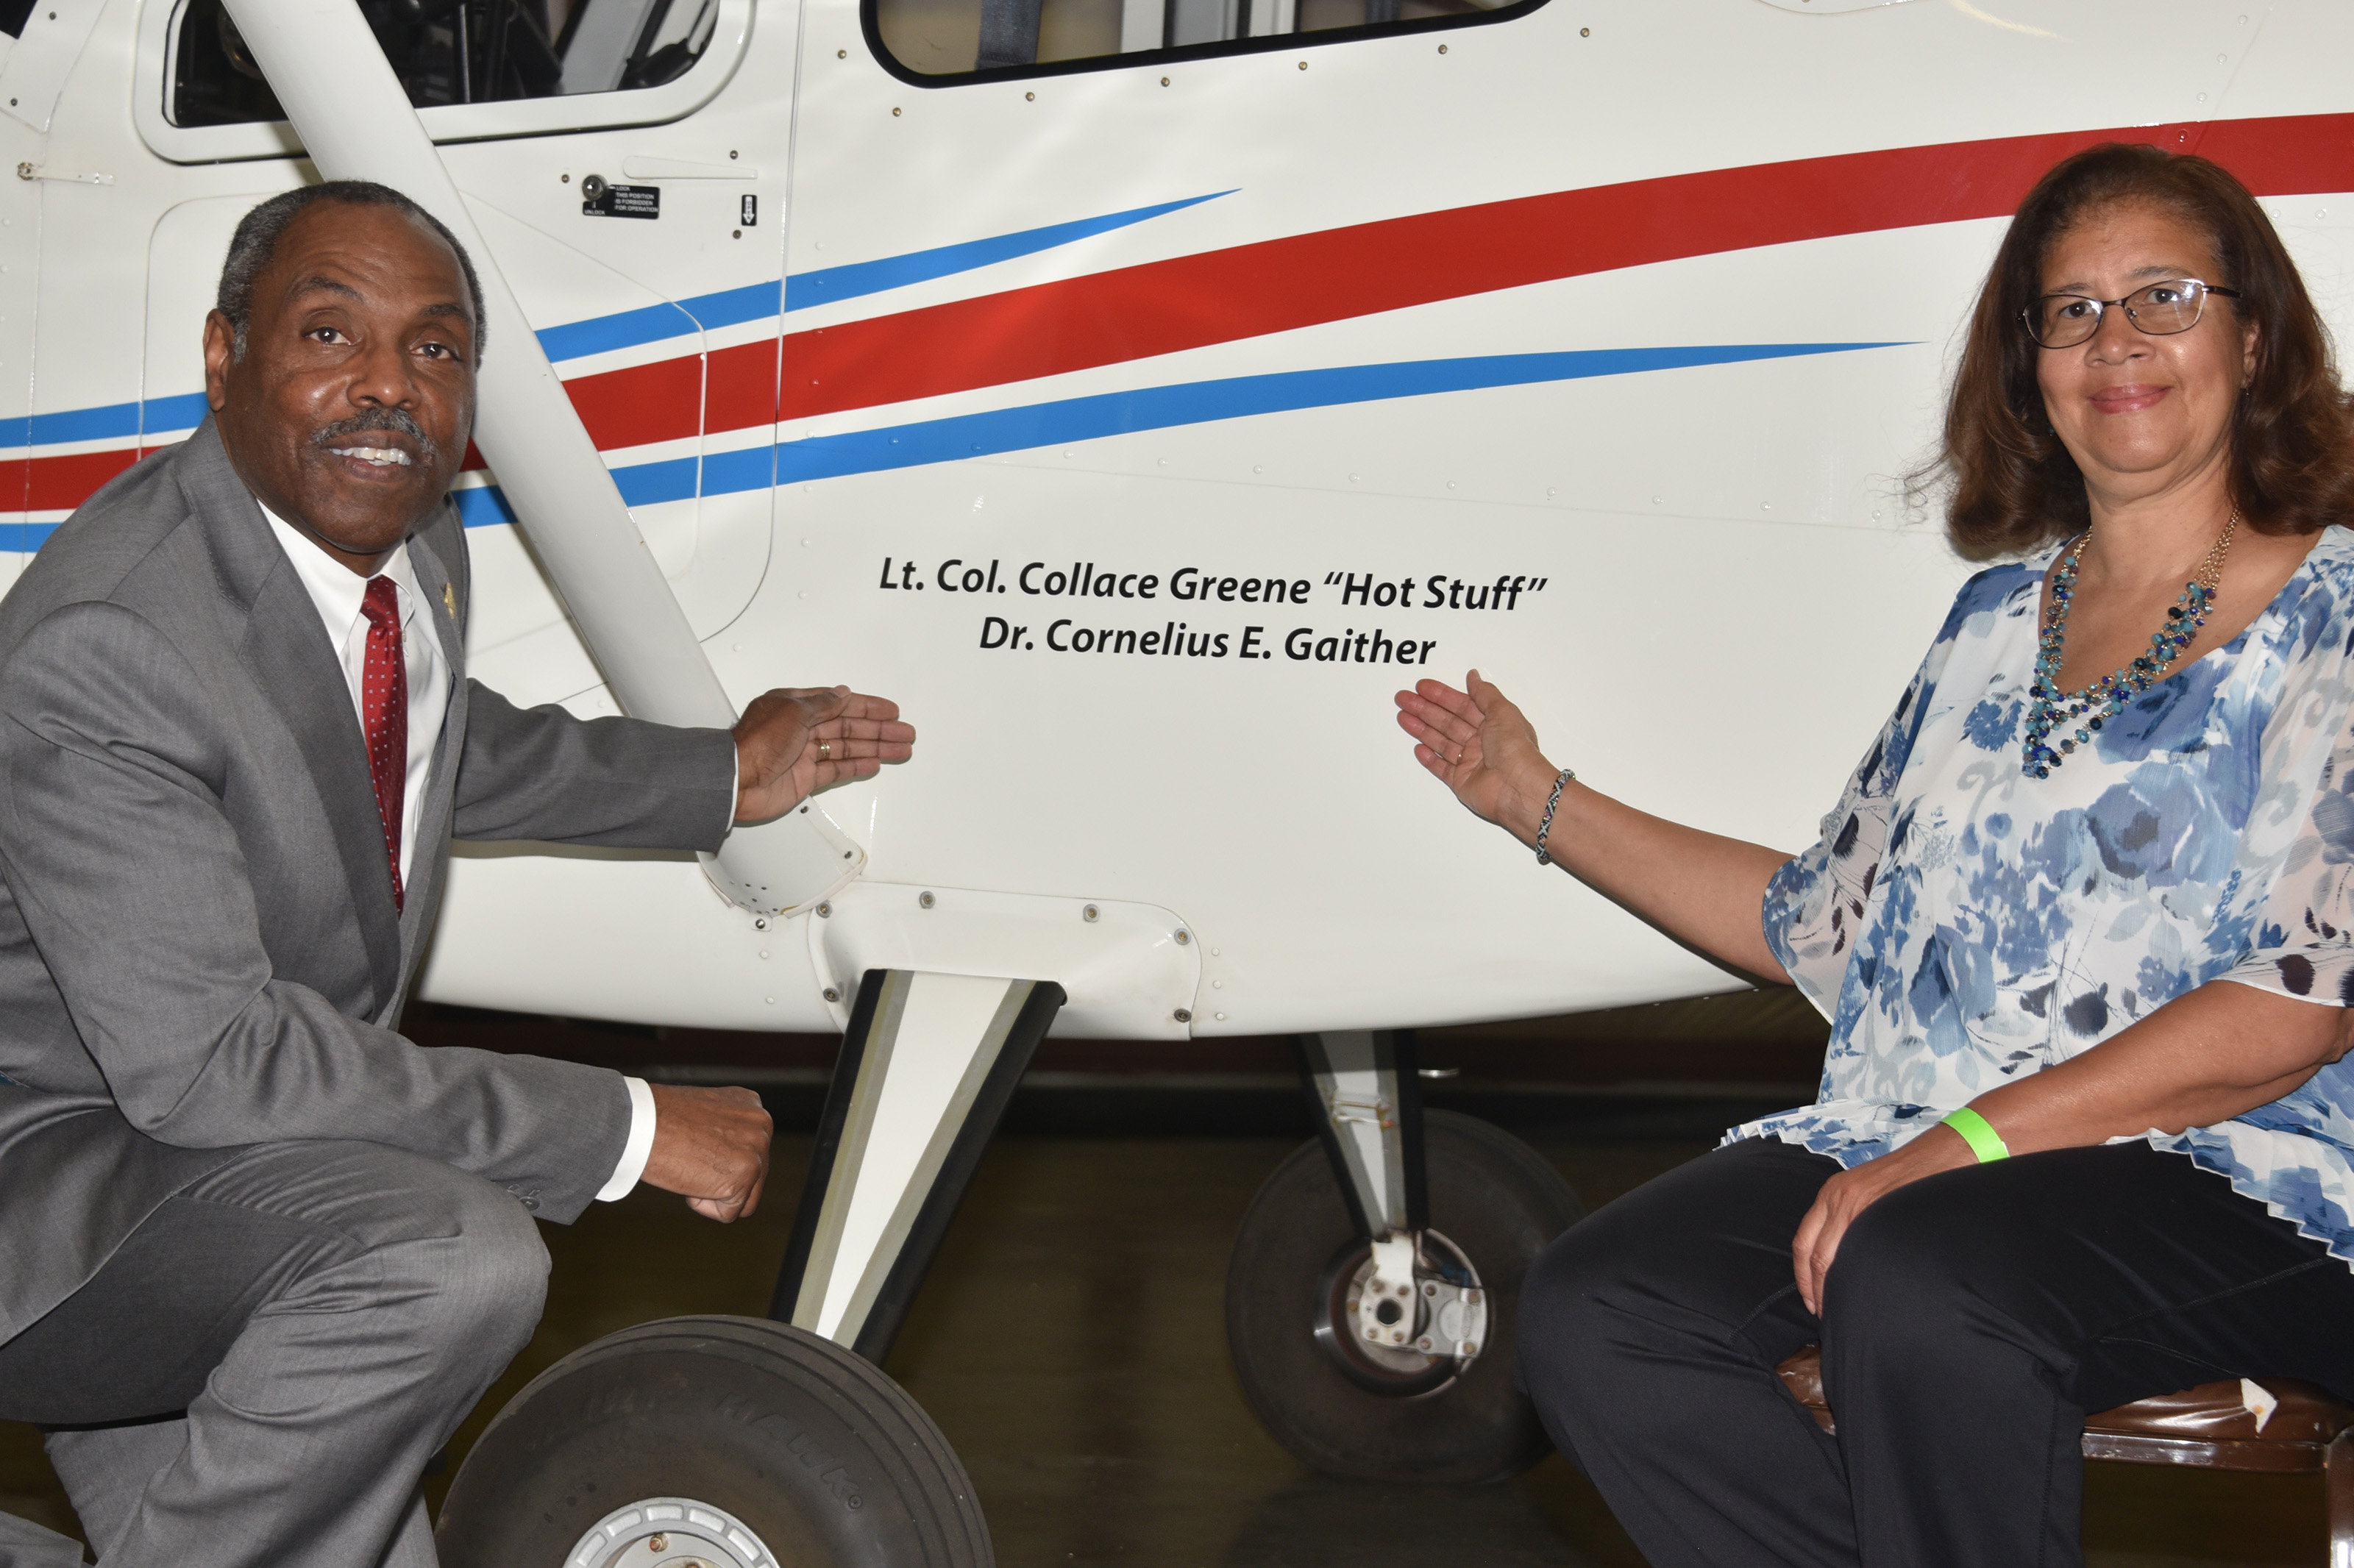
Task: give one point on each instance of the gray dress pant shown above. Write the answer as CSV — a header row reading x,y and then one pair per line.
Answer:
x,y
259,1375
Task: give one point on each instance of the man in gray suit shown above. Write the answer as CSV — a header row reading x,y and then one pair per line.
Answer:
x,y
259,1253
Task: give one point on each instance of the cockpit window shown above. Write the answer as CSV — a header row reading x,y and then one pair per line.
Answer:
x,y
457,51
949,39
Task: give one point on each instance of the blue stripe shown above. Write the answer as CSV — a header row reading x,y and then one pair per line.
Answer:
x,y
731,307
1085,418
116,421
652,324
481,505
184,412
625,329
747,468
807,289
1193,403
655,324
643,484
1146,408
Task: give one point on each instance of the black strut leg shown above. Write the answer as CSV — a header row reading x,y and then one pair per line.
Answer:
x,y
894,1153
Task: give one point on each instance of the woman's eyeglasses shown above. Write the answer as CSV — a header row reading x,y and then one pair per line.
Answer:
x,y
2063,321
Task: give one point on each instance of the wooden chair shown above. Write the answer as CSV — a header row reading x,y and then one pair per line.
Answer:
x,y
2208,1427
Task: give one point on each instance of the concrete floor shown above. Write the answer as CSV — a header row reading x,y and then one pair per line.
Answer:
x,y
1069,1342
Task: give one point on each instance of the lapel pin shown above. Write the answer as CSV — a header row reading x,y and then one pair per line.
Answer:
x,y
450,601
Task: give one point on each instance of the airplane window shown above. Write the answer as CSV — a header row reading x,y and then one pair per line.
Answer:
x,y
458,51
931,39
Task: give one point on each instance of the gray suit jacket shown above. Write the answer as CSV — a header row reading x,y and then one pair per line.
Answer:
x,y
198,949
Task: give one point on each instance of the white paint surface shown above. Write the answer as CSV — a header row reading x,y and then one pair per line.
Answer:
x,y
942,1026
1736,593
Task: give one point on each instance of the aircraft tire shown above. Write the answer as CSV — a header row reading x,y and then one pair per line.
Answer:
x,y
1496,1203
738,1442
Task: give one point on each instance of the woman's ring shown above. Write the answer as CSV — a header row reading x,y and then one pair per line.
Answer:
x,y
825,750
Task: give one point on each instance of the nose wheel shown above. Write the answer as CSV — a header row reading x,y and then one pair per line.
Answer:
x,y
1361,1379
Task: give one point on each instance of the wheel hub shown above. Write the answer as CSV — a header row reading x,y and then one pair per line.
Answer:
x,y
669,1532
1401,1333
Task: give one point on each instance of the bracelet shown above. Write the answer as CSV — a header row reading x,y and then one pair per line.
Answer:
x,y
1545,825
1979,1134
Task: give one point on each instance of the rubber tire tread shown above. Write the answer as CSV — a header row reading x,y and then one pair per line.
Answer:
x,y
1491,1194
775,1419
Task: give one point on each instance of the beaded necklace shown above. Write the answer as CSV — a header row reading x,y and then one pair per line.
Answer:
x,y
2050,709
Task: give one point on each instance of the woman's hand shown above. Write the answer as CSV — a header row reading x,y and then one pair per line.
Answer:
x,y
1482,747
795,741
2209,1054
1703,889
1848,1194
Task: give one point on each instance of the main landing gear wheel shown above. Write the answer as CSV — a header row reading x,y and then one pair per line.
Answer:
x,y
1366,1389
717,1442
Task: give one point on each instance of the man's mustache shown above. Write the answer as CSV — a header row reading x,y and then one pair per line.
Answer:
x,y
427,450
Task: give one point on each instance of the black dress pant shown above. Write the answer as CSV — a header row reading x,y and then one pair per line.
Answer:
x,y
1970,1323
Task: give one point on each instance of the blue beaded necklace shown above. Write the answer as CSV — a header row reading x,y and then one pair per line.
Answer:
x,y
2050,709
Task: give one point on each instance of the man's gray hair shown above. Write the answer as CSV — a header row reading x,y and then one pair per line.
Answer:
x,y
256,242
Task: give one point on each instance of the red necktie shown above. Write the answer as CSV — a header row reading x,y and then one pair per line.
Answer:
x,y
384,711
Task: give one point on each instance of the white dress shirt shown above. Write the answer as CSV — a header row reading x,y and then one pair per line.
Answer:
x,y
338,591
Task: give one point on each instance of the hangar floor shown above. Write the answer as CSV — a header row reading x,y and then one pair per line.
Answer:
x,y
1069,1341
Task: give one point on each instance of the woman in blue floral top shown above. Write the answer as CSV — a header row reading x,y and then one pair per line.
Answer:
x,y
2082,923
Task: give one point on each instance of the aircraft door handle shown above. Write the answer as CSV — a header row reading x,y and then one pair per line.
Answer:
x,y
30,171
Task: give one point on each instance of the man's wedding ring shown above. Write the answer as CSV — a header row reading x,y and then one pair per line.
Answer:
x,y
825,750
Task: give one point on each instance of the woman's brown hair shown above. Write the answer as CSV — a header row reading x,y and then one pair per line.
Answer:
x,y
2014,485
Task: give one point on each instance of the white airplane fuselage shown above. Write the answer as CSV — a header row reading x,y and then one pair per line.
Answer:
x,y
1140,430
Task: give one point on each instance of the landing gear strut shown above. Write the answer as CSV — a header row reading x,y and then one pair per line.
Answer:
x,y
753,1443
1372,1319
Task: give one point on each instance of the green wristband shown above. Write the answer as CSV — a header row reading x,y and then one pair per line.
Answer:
x,y
1979,1134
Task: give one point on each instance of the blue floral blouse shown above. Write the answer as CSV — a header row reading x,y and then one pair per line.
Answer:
x,y
1961,924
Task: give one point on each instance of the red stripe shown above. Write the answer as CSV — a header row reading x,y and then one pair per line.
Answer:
x,y
62,483
740,388
1279,285
657,402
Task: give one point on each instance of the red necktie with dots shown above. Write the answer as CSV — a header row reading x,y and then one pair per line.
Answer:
x,y
384,711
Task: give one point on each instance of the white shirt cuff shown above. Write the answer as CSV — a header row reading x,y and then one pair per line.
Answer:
x,y
640,1143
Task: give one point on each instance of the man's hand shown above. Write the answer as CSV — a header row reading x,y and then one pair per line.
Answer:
x,y
711,1146
795,741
